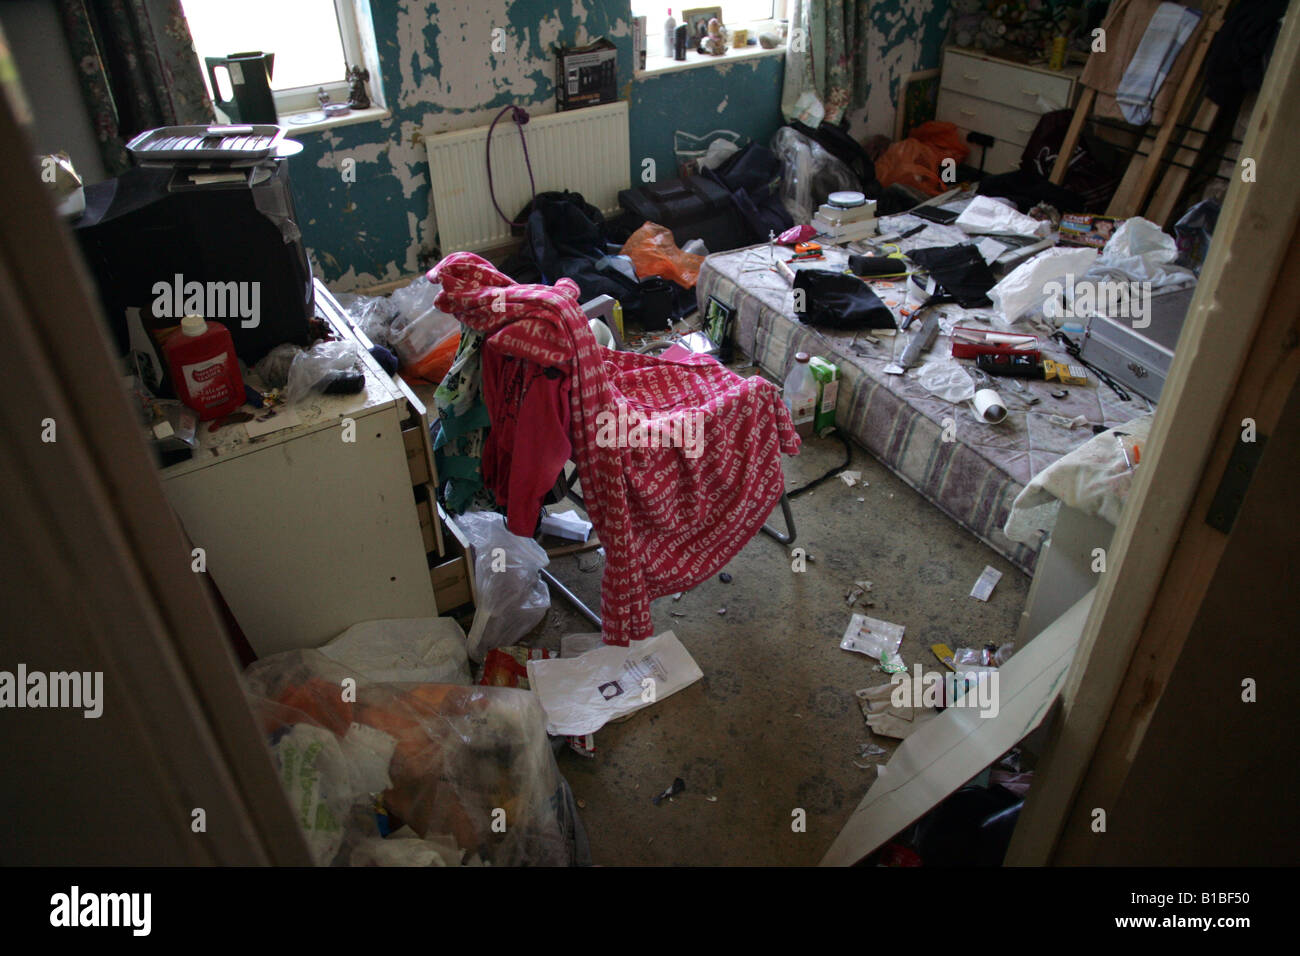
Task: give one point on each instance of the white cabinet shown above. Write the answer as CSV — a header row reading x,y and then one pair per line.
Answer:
x,y
306,532
1000,98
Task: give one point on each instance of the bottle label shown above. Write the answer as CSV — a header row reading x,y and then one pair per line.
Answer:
x,y
206,381
803,410
830,392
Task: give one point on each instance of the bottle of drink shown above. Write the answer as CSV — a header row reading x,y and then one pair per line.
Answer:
x,y
204,368
800,395
670,34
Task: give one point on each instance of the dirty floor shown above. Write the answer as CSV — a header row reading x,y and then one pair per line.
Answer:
x,y
774,725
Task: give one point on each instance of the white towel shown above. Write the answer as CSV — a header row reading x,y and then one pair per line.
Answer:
x,y
1166,34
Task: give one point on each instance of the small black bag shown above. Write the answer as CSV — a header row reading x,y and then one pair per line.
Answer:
x,y
835,300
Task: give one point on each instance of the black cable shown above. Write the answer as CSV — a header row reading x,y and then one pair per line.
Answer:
x,y
1074,349
848,457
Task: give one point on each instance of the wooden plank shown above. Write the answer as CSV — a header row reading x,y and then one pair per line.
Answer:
x,y
1161,207
1191,77
1221,338
1072,135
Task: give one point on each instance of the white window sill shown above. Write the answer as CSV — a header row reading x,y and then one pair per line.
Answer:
x,y
311,121
656,65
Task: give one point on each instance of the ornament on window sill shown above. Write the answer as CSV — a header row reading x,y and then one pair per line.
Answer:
x,y
358,98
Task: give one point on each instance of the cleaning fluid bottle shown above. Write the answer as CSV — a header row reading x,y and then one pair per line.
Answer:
x,y
670,34
204,369
800,395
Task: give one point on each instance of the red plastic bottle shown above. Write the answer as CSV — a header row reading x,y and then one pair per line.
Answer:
x,y
204,368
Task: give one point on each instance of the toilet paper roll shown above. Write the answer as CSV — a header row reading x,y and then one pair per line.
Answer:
x,y
989,406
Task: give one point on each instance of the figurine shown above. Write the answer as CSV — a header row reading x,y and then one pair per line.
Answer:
x,y
322,97
358,98
714,44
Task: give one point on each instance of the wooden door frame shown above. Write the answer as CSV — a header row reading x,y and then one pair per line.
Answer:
x,y
1237,359
97,576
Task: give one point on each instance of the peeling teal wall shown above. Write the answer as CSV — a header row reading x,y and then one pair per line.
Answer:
x,y
439,73
743,96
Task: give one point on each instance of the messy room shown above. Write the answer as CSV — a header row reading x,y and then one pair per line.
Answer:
x,y
780,433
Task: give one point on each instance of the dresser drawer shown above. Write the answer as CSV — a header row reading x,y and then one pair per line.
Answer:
x,y
1000,122
1014,86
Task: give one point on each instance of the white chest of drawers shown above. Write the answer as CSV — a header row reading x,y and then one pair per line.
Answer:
x,y
984,94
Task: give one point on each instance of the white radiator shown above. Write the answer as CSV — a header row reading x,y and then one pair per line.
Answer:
x,y
583,150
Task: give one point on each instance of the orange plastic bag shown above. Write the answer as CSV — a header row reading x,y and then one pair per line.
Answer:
x,y
432,368
918,160
944,138
653,253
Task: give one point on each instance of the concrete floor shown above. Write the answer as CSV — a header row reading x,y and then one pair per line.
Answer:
x,y
774,725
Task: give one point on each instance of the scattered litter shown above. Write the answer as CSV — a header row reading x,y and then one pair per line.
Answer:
x,y
850,478
884,718
892,663
862,499
678,595
990,655
871,750
711,799
677,613
582,804
566,524
722,610
856,593
987,581
724,577
1070,423
866,635
581,694
944,653
678,786
584,745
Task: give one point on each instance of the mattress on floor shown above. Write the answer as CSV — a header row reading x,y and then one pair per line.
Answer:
x,y
973,478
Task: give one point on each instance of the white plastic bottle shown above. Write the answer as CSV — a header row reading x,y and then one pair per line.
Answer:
x,y
800,395
670,35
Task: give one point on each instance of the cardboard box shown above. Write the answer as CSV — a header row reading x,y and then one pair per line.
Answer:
x,y
586,76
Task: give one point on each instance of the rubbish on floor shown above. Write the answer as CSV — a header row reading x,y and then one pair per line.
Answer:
x,y
856,592
850,478
867,635
677,787
584,745
954,748
437,760
567,524
945,655
721,611
582,694
711,799
678,595
986,582
512,597
891,663
887,719
677,613
867,750
508,666
990,655
724,577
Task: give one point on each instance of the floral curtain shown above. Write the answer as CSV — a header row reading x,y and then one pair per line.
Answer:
x,y
137,68
826,60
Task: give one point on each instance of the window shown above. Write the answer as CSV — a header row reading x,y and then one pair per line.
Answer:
x,y
314,42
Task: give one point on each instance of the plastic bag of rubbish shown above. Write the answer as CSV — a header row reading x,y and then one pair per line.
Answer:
x,y
1028,286
374,316
467,771
947,379
424,649
330,367
512,597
